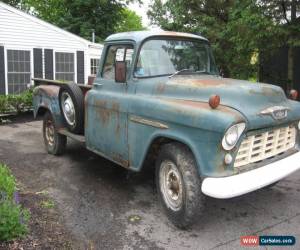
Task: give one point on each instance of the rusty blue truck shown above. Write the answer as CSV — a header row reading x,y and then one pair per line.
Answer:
x,y
159,98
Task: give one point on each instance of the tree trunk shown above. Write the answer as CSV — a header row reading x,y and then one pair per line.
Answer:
x,y
291,47
290,83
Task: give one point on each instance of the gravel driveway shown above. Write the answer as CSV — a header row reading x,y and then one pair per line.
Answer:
x,y
105,207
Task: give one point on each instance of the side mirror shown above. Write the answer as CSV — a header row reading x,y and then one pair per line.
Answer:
x,y
120,72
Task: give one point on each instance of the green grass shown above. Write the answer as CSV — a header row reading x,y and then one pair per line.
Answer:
x,y
48,204
13,217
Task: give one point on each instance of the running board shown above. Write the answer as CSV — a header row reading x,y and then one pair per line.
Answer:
x,y
80,138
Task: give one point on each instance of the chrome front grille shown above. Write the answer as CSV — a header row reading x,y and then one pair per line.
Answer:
x,y
257,147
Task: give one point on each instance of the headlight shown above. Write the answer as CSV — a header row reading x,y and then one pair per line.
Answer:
x,y
232,136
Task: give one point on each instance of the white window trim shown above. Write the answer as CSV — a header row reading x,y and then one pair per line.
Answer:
x,y
6,66
90,68
5,73
75,62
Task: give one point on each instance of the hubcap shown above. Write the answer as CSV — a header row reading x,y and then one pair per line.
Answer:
x,y
171,185
49,133
68,108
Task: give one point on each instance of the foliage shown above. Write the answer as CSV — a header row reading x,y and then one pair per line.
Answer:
x,y
13,218
48,204
7,183
237,29
13,221
129,21
16,103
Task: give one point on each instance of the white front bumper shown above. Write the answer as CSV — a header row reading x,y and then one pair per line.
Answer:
x,y
232,186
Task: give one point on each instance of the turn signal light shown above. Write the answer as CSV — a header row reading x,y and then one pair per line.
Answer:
x,y
214,101
294,94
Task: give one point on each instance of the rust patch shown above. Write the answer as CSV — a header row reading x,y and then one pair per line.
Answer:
x,y
175,34
85,90
100,103
49,90
116,106
118,158
200,82
205,105
85,112
104,115
160,88
202,105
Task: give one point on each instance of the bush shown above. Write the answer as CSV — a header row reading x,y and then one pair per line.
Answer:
x,y
13,221
13,218
16,103
7,183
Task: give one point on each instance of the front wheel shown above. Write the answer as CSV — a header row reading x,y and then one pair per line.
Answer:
x,y
55,143
179,184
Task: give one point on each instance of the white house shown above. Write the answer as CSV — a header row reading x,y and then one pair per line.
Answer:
x,y
30,47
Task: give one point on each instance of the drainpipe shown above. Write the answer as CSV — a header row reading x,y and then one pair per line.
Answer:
x,y
93,36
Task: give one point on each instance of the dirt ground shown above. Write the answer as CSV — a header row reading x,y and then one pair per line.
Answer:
x,y
98,205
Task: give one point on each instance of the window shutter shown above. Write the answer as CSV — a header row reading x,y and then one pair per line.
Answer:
x,y
49,64
38,63
80,66
2,71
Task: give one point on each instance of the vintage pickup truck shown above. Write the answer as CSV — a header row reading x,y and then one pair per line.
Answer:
x,y
158,98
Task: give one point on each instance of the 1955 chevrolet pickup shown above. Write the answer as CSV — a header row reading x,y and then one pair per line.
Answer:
x,y
158,96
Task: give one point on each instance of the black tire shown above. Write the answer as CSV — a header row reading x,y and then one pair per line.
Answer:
x,y
72,90
55,145
192,199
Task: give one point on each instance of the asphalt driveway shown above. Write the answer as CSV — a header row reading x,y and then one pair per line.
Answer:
x,y
105,207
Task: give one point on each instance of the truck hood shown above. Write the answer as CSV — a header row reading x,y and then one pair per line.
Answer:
x,y
246,97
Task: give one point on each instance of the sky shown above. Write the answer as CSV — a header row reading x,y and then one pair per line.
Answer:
x,y
141,10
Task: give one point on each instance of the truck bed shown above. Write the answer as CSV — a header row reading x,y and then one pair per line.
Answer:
x,y
41,81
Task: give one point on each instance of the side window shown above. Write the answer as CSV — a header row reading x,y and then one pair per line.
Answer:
x,y
117,53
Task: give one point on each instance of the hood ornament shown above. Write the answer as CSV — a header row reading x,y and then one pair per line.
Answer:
x,y
277,112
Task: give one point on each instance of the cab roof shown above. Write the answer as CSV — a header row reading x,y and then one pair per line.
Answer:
x,y
139,36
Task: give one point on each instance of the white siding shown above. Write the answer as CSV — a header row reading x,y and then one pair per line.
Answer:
x,y
18,30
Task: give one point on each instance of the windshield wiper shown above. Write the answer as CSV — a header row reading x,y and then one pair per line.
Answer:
x,y
178,72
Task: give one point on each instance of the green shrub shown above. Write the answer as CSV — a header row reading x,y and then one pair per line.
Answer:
x,y
13,221
16,103
13,218
7,183
3,104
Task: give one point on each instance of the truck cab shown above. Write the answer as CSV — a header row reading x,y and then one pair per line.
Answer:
x,y
159,95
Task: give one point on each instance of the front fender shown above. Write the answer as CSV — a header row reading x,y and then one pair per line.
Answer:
x,y
46,97
192,123
204,144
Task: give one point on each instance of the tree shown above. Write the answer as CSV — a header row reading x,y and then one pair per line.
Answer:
x,y
14,3
82,17
129,21
286,14
238,30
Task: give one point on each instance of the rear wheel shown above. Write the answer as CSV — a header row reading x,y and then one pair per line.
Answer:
x,y
71,103
55,143
179,184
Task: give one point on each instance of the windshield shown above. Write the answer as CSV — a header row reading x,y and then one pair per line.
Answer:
x,y
172,56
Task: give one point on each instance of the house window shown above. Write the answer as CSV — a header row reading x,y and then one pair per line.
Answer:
x,y
94,66
64,66
18,70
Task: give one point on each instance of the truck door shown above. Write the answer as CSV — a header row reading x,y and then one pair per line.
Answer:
x,y
107,108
